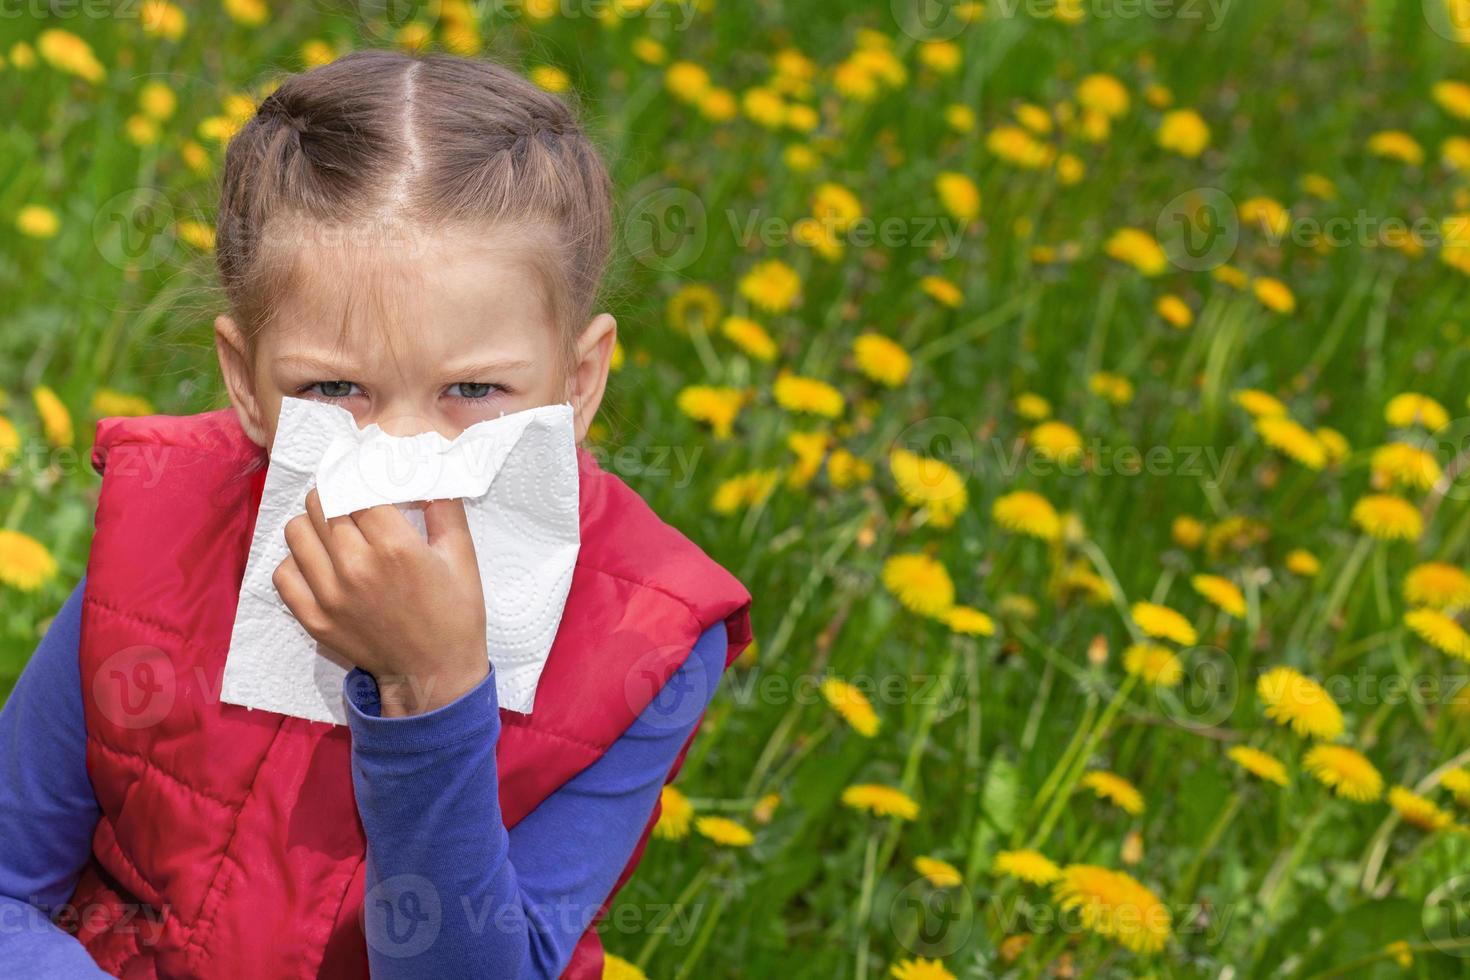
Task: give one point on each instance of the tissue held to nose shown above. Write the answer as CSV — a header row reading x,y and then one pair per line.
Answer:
x,y
488,520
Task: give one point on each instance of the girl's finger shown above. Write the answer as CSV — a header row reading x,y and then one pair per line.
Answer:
x,y
310,552
384,525
449,529
338,534
297,596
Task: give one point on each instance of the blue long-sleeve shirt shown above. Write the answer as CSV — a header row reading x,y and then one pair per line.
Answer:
x,y
509,904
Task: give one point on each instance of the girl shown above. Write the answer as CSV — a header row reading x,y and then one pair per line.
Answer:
x,y
419,240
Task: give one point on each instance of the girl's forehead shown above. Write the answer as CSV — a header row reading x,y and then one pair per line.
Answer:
x,y
429,302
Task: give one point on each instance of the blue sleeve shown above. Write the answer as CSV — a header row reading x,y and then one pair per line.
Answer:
x,y
449,891
47,808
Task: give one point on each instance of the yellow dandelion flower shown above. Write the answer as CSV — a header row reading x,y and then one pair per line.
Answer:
x,y
772,286
881,801
1116,906
162,19
1260,764
799,394
107,402
35,221
1031,407
1174,311
941,290
1258,403
940,874
765,808
617,968
972,622
675,815
929,483
1334,444
1292,439
1345,771
724,831
1420,811
845,469
1402,953
1395,144
1221,592
1187,531
919,969
1318,186
687,81
1274,294
9,442
1401,464
694,304
836,206
1016,146
1295,700
1452,96
25,563
1139,249
55,418
1388,518
920,583
852,705
959,195
1056,441
745,490
1185,132
251,13
1026,512
882,359
67,52
750,337
943,57
960,118
1153,664
810,448
714,406
1114,387
1457,781
1163,623
197,234
1104,94
1071,171
1438,585
1410,409
1440,631
1027,865
1266,215
1301,562
649,51
1110,786
551,78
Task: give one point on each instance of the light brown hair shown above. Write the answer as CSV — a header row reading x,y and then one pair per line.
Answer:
x,y
388,140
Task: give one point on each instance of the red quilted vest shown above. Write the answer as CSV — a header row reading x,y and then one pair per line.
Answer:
x,y
229,843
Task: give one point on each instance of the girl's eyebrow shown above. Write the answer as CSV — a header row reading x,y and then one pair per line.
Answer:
x,y
470,368
316,364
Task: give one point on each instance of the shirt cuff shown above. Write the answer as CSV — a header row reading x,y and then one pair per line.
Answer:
x,y
474,714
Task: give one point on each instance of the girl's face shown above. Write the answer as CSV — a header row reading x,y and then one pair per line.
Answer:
x,y
436,334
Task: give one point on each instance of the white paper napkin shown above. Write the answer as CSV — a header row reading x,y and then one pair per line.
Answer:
x,y
518,477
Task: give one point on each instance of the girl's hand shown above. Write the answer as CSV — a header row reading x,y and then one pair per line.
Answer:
x,y
407,611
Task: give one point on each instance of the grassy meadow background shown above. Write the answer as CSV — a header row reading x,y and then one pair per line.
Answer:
x,y
956,332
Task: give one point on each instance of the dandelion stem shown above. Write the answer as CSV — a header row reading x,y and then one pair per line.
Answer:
x,y
865,905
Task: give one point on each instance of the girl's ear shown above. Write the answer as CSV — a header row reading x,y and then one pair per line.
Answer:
x,y
239,375
589,374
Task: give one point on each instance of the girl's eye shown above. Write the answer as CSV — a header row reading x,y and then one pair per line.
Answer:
x,y
333,389
473,390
